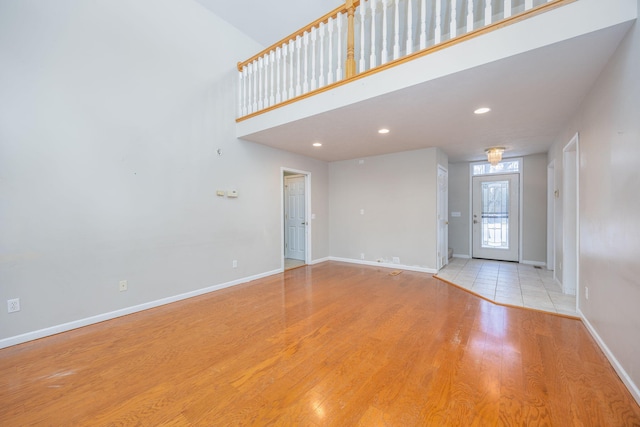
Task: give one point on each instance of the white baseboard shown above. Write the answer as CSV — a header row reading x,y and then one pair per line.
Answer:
x,y
631,386
534,263
41,333
319,260
461,256
384,264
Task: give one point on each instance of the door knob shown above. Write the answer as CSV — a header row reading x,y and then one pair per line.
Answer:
x,y
475,221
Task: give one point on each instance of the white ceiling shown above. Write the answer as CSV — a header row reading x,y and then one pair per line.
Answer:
x,y
532,96
269,21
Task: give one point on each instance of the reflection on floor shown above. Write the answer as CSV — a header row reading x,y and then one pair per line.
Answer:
x,y
510,283
290,263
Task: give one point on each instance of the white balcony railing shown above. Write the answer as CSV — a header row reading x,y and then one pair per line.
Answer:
x,y
364,35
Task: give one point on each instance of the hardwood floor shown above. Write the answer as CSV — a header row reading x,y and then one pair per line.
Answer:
x,y
330,344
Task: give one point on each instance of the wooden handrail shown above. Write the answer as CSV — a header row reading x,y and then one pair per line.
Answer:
x,y
323,20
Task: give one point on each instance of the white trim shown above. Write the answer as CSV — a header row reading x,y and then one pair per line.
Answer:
x,y
535,263
64,327
551,216
631,386
385,265
461,256
319,260
573,143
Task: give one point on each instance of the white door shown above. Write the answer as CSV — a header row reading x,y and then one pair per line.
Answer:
x,y
295,217
496,217
443,217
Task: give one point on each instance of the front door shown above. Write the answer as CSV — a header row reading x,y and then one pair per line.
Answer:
x,y
295,217
496,217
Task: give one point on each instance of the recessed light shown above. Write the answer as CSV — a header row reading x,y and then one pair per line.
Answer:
x,y
482,110
317,144
383,130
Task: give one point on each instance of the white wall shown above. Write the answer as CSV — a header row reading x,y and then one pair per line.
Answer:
x,y
609,235
110,117
459,202
398,195
533,215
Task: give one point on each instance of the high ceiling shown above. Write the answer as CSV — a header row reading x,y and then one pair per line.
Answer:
x,y
532,96
270,20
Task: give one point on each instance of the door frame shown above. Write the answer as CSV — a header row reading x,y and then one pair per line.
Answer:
x,y
552,194
307,213
520,201
571,183
442,203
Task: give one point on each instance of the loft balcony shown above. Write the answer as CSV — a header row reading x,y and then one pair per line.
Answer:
x,y
419,66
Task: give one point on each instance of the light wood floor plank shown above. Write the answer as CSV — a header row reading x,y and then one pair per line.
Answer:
x,y
329,344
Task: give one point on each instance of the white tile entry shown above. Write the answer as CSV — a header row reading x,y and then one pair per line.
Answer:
x,y
510,283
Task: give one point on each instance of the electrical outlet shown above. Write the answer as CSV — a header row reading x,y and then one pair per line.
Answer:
x,y
361,256
586,292
396,260
123,285
235,263
13,305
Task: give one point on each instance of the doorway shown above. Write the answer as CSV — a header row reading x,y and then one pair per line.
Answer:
x,y
495,217
295,218
443,217
570,215
551,217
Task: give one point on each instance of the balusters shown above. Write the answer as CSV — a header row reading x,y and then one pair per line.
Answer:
x,y
423,24
260,85
363,16
298,45
305,85
254,97
264,95
339,72
453,26
507,8
240,98
438,31
528,4
278,54
409,44
396,36
291,63
384,55
470,18
322,31
314,36
272,92
330,52
488,12
372,59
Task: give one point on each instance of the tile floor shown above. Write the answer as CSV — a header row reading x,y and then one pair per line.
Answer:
x,y
292,263
510,283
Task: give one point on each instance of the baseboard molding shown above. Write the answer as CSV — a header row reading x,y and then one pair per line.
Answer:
x,y
319,260
534,263
461,256
41,333
384,264
631,386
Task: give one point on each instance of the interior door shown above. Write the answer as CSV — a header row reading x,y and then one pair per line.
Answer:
x,y
295,217
496,217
